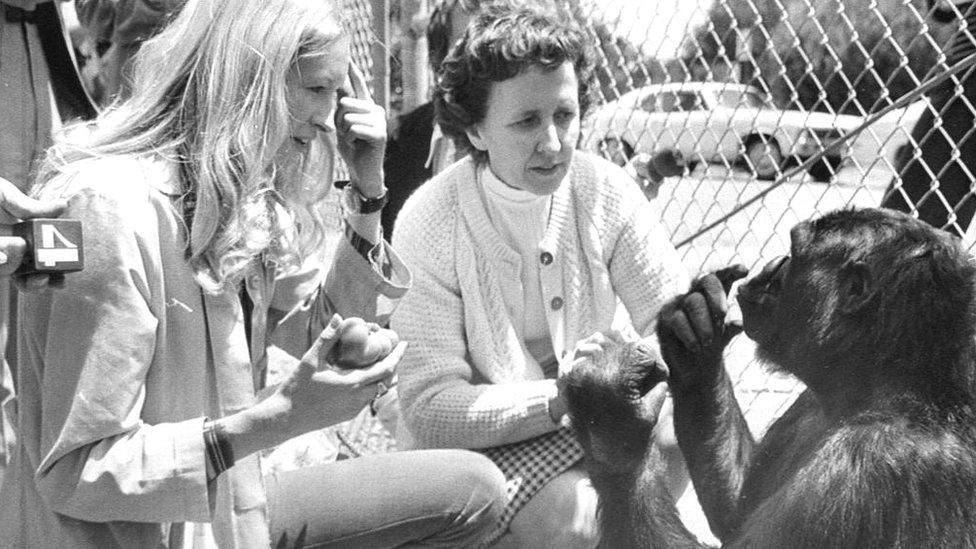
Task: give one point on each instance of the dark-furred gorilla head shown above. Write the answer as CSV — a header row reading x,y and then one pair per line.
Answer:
x,y
608,391
863,288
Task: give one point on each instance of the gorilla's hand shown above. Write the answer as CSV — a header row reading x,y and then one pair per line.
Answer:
x,y
692,329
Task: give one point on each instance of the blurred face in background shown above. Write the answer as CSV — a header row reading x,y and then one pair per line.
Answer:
x,y
460,18
530,128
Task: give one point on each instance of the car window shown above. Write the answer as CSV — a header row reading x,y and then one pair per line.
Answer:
x,y
754,99
690,101
667,102
738,98
683,101
649,103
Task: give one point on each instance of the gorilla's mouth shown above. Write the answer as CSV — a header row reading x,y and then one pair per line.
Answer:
x,y
759,297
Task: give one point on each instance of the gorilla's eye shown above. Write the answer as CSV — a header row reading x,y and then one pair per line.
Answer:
x,y
776,275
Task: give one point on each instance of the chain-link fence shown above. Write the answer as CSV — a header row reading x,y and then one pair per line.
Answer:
x,y
762,113
775,111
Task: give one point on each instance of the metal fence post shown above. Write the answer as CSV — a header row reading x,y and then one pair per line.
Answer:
x,y
379,51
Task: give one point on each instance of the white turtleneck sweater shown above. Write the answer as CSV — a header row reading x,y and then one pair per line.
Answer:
x,y
521,218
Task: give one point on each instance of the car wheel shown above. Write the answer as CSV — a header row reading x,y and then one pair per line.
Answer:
x,y
616,151
764,157
824,168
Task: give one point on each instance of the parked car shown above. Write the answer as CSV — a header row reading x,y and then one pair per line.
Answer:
x,y
717,122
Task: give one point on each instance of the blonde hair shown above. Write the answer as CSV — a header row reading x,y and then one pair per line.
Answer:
x,y
209,93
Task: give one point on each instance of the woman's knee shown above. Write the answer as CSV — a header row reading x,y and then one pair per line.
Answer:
x,y
562,514
481,480
478,500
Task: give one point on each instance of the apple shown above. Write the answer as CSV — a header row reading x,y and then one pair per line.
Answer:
x,y
361,344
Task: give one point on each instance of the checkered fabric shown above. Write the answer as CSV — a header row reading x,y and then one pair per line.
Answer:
x,y
528,465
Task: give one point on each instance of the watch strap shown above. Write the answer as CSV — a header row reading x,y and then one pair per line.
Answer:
x,y
364,205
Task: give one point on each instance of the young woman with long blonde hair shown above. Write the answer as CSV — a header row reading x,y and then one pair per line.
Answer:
x,y
141,405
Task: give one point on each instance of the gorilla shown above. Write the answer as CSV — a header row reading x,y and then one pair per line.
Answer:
x,y
875,312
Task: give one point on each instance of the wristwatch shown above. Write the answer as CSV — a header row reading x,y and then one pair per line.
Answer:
x,y
358,203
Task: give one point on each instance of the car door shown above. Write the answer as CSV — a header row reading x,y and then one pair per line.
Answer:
x,y
734,120
678,123
705,124
647,124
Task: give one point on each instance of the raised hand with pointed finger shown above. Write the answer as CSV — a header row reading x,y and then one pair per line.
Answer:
x,y
361,134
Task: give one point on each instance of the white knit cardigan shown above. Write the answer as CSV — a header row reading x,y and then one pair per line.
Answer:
x,y
466,380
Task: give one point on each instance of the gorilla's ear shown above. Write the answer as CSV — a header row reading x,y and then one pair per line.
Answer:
x,y
856,284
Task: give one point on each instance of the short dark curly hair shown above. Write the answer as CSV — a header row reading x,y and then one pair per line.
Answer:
x,y
439,27
501,43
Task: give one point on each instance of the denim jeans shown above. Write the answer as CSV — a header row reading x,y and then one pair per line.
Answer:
x,y
428,498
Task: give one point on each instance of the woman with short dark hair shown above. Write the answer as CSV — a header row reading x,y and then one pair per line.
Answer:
x,y
521,251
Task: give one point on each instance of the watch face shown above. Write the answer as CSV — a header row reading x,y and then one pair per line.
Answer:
x,y
360,204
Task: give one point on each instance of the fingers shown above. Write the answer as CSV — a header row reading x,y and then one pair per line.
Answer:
x,y
594,346
12,250
361,138
712,291
361,120
314,357
354,96
730,274
357,116
15,205
383,371
676,321
699,316
358,83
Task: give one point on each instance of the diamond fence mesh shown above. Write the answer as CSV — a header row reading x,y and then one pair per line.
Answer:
x,y
756,114
752,115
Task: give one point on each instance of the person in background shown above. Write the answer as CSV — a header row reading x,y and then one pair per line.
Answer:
x,y
40,88
937,182
40,84
118,28
417,149
15,206
521,252
142,408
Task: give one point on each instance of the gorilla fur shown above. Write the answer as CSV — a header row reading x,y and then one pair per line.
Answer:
x,y
875,312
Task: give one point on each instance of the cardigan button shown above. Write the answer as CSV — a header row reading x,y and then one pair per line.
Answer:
x,y
545,258
556,303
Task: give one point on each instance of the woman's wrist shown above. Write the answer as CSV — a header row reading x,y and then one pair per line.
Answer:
x,y
368,187
261,426
358,202
219,453
371,192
